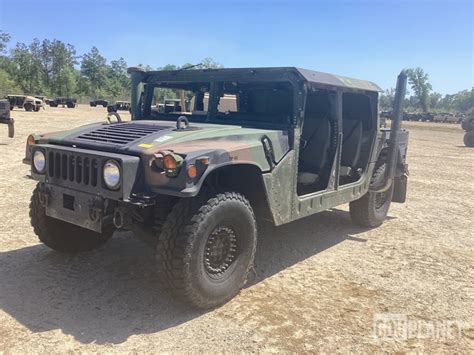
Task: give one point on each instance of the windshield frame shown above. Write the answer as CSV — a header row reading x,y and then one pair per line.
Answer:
x,y
194,77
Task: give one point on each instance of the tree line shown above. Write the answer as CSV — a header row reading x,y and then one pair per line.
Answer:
x,y
53,68
424,99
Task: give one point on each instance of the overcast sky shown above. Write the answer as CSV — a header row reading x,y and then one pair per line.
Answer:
x,y
369,39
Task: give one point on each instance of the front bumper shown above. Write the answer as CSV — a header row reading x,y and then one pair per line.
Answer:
x,y
82,209
72,187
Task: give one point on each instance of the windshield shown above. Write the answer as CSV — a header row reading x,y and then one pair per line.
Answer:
x,y
249,103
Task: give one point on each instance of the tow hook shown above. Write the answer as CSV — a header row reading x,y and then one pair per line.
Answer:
x,y
96,210
43,197
118,218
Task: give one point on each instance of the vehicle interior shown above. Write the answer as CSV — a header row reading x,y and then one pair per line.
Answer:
x,y
359,129
251,104
318,140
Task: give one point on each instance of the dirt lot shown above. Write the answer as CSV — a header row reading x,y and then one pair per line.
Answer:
x,y
318,282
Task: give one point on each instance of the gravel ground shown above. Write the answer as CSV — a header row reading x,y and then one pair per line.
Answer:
x,y
317,286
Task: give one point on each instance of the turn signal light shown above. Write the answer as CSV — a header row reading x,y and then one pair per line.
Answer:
x,y
192,171
30,140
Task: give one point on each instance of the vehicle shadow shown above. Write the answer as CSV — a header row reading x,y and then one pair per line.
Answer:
x,y
109,294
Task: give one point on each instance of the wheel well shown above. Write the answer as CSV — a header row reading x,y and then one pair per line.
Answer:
x,y
245,179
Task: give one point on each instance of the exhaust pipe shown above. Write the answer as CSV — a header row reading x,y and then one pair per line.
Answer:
x,y
394,132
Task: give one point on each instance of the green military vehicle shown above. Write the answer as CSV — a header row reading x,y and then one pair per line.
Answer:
x,y
98,102
29,103
68,102
467,124
194,184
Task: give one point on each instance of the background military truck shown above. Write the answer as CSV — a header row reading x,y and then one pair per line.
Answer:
x,y
467,124
5,117
98,102
194,184
69,102
29,103
119,106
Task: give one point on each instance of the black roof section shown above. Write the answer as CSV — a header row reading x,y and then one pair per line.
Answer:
x,y
274,73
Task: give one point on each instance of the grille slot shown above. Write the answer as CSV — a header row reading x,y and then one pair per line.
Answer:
x,y
120,133
76,169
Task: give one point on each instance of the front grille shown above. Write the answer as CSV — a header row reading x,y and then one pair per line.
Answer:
x,y
3,106
73,168
120,133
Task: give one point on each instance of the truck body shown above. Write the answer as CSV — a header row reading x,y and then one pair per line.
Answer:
x,y
287,144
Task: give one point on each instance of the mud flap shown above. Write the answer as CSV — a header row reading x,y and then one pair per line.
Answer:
x,y
11,129
11,126
400,189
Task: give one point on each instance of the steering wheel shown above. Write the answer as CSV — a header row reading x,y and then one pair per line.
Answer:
x,y
182,123
113,114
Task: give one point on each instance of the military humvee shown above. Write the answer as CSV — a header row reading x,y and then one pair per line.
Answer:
x,y
5,117
68,102
193,184
98,102
29,103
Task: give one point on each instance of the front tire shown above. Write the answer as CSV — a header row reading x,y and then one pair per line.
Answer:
x,y
469,139
207,247
372,208
61,236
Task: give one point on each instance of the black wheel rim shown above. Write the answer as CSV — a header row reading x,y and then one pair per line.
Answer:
x,y
380,199
220,251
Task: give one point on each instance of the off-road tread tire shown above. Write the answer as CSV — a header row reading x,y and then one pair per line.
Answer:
x,y
61,236
362,211
469,139
176,238
468,124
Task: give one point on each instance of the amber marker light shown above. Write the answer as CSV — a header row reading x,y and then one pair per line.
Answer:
x,y
204,161
30,140
192,171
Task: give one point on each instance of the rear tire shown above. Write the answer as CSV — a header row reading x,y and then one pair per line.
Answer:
x,y
469,139
207,247
372,208
61,236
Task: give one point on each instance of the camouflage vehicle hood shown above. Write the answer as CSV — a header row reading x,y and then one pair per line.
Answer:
x,y
226,144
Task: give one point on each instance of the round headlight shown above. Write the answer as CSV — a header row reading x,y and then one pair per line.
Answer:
x,y
39,161
111,174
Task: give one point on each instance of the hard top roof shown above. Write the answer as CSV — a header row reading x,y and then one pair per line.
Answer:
x,y
283,73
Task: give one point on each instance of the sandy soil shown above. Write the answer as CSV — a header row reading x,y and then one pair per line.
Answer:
x,y
318,282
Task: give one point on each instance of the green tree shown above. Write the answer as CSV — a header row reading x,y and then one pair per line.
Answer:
x,y
119,81
62,61
7,84
94,69
4,39
387,99
434,100
209,63
421,87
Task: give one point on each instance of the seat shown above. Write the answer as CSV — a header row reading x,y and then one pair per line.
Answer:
x,y
315,140
351,143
